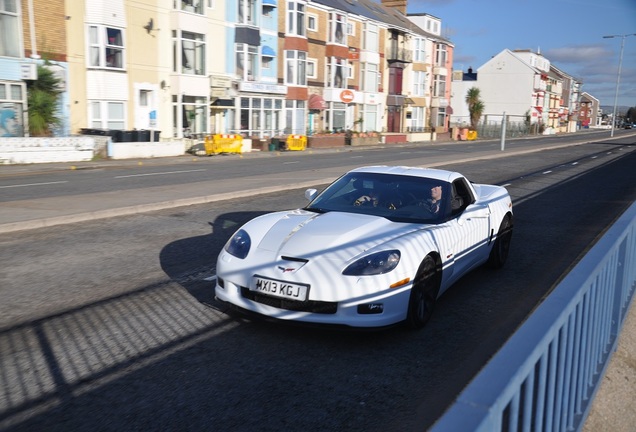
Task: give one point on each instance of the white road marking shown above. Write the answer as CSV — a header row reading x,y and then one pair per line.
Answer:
x,y
291,162
159,173
210,279
32,184
547,172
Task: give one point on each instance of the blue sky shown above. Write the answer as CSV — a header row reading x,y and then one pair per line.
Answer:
x,y
569,33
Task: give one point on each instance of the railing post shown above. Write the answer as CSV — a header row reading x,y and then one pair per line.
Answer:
x,y
503,132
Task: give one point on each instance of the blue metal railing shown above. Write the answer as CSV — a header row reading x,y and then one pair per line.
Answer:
x,y
545,377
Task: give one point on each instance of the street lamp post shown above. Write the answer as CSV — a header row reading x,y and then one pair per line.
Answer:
x,y
618,77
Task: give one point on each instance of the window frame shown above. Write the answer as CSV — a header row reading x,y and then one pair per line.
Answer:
x,y
10,19
295,68
296,18
106,46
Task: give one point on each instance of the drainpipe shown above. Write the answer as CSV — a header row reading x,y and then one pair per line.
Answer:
x,y
34,47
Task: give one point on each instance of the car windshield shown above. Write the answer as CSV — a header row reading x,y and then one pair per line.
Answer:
x,y
399,198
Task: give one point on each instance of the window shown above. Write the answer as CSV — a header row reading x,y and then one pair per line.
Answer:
x,y
336,73
312,23
440,55
12,102
247,12
107,115
106,47
335,116
419,49
295,117
188,53
337,26
211,4
295,68
395,80
369,117
295,18
191,115
419,83
193,6
439,86
352,71
370,77
371,37
9,29
247,62
311,68
144,98
260,116
441,117
417,119
351,29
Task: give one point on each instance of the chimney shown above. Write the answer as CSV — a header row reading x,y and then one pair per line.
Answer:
x,y
400,5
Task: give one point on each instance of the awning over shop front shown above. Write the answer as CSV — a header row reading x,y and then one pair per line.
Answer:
x,y
272,3
222,103
395,100
317,102
267,51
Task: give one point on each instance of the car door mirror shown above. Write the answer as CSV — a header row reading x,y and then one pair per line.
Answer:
x,y
310,194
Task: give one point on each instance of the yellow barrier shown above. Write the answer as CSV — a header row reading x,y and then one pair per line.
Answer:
x,y
471,135
296,142
223,143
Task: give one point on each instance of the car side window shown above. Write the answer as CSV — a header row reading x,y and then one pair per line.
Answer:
x,y
461,196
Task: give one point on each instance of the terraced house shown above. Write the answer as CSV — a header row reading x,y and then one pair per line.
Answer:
x,y
262,68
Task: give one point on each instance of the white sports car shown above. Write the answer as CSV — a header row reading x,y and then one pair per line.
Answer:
x,y
377,247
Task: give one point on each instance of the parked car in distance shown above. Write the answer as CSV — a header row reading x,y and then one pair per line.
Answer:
x,y
376,247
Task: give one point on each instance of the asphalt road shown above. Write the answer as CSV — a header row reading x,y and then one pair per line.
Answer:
x,y
111,324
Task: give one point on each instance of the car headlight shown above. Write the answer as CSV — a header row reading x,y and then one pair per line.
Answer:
x,y
239,245
374,264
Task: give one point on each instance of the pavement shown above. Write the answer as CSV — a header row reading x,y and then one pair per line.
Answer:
x,y
613,407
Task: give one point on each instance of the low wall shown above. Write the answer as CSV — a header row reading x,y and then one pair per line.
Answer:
x,y
134,150
328,141
43,150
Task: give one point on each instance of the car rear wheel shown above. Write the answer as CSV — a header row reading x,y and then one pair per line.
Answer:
x,y
499,252
423,294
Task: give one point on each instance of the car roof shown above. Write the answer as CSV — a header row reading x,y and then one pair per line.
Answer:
x,y
432,173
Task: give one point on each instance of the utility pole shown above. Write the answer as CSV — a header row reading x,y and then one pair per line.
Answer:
x,y
618,77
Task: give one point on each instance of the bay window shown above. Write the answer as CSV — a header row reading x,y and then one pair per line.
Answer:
x,y
371,37
419,83
295,18
107,115
188,52
439,85
337,27
247,12
370,77
247,62
295,68
106,47
337,72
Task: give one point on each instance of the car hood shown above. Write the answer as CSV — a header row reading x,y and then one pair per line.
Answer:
x,y
333,235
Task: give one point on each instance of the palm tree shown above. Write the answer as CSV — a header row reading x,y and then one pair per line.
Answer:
x,y
475,106
42,99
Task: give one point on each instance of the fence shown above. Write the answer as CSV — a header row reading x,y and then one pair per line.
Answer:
x,y
545,377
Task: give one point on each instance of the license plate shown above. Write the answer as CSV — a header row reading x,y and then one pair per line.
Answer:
x,y
281,289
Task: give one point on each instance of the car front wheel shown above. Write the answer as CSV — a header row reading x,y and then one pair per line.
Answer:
x,y
499,252
423,294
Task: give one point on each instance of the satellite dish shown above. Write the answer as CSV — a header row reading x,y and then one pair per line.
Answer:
x,y
149,26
